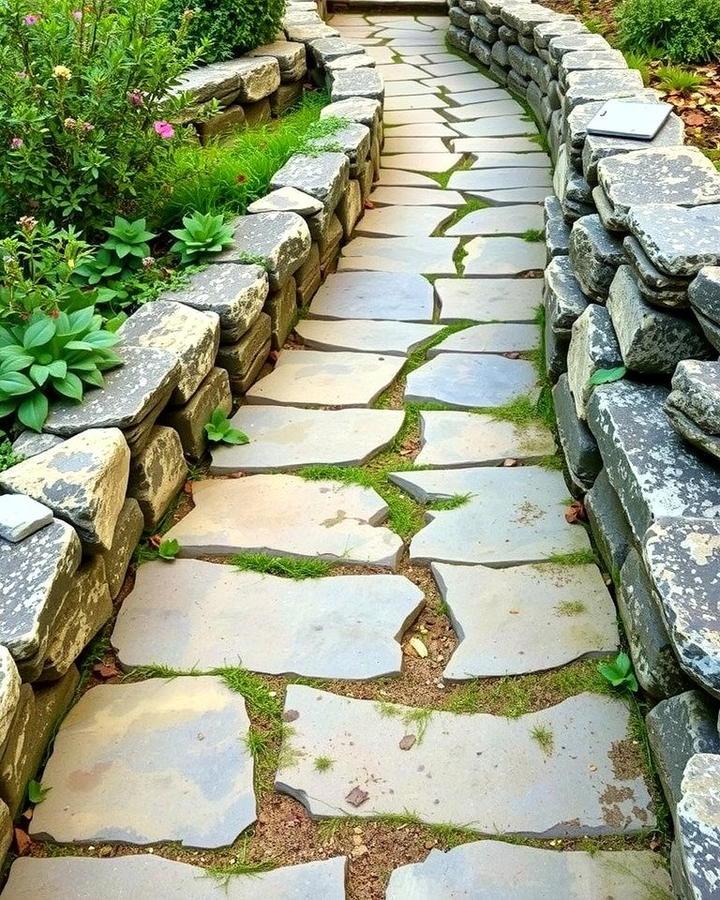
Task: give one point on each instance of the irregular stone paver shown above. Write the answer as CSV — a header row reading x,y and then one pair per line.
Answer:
x,y
506,220
504,160
424,255
408,116
499,179
502,256
399,178
489,95
581,794
287,437
416,130
392,221
421,162
364,335
314,378
401,195
79,878
494,870
417,101
470,82
484,110
496,126
512,516
489,144
464,380
454,439
153,761
204,615
374,295
284,515
497,299
489,338
525,619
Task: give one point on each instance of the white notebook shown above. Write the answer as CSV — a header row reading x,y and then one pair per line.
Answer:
x,y
639,121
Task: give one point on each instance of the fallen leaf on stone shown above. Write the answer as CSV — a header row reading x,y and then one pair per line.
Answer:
x,y
508,463
418,647
575,513
106,670
407,742
357,796
155,541
22,842
695,117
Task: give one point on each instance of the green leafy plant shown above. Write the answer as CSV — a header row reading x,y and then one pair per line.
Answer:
x,y
36,791
50,357
168,549
202,234
677,79
219,430
128,239
8,457
619,673
606,376
683,31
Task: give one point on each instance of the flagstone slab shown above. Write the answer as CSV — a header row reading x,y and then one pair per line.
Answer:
x,y
493,256
494,870
496,299
411,145
421,162
284,515
525,619
374,295
489,95
405,89
472,81
402,221
419,129
513,144
364,336
497,775
288,437
513,516
314,378
458,67
506,107
499,179
507,220
415,196
496,126
410,255
410,116
489,338
204,615
512,196
457,439
417,101
503,160
146,875
157,760
398,178
400,72
466,380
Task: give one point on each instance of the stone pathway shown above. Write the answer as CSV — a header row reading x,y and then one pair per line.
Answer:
x,y
447,562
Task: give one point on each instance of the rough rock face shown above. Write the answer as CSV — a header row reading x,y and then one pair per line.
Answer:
x,y
323,176
157,474
593,347
698,820
579,446
290,58
608,523
357,83
678,241
696,393
287,199
21,516
564,299
243,79
357,109
704,293
595,255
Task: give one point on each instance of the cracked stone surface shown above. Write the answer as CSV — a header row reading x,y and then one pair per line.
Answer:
x,y
400,221
205,615
374,295
492,256
525,619
512,516
581,794
426,255
467,380
364,336
126,750
507,220
489,338
284,515
286,437
404,191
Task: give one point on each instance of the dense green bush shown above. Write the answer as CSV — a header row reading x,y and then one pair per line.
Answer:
x,y
683,31
228,27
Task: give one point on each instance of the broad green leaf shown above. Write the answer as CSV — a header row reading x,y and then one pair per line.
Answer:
x,y
69,386
33,412
39,333
168,549
15,384
235,436
39,374
606,376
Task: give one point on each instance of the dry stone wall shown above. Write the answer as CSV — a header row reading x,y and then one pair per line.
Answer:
x,y
104,471
633,283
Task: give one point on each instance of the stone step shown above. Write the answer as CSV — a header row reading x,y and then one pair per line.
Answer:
x,y
364,336
489,300
202,615
410,255
506,220
489,338
402,221
284,515
500,767
496,256
374,295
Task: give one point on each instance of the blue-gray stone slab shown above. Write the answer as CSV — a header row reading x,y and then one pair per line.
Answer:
x,y
465,380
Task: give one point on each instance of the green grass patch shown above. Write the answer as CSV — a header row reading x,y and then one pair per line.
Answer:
x,y
543,736
576,558
472,204
224,874
533,235
570,608
323,763
454,502
283,566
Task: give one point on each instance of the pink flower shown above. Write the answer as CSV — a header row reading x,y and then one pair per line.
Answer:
x,y
31,20
88,126
148,262
69,123
164,129
135,98
16,143
77,15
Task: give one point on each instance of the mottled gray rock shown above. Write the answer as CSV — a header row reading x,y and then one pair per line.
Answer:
x,y
606,211
83,481
502,256
503,220
157,474
681,241
325,49
128,530
35,576
140,744
651,341
692,433
465,380
145,875
544,32
280,239
608,524
322,175
284,515
364,82
579,447
243,79
343,63
586,796
523,17
356,109
595,255
711,329
564,299
584,87
21,516
651,277
364,335
698,818
704,293
354,138
525,618
494,870
190,420
290,58
696,393
287,199
653,472
593,347
557,231
571,42
309,31
585,60
30,443
512,516
244,360
286,437
235,292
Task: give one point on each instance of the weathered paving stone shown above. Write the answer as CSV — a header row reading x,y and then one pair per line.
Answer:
x,y
697,823
29,443
495,127
513,516
506,220
494,870
593,347
465,380
356,109
9,694
581,793
696,393
157,474
127,750
704,293
497,299
356,83
206,615
564,299
408,255
282,239
145,875
286,437
192,336
82,480
290,57
416,101
525,619
585,87
364,335
608,524
411,117
21,516
470,82
318,378
284,515
678,241
484,110
456,439
287,199
595,255
408,192
421,162
499,179
400,221
503,160
492,256
343,63
322,175
579,447
653,472
489,338
480,144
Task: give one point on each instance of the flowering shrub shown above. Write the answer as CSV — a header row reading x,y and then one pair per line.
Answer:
x,y
84,104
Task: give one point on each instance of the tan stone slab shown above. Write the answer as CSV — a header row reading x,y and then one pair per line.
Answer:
x,y
399,178
402,221
411,116
421,162
406,89
400,72
410,145
422,255
416,102
419,129
415,196
364,336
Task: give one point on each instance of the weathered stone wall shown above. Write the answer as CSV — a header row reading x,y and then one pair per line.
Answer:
x,y
633,281
104,471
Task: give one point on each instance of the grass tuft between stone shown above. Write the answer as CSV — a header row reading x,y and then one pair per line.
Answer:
x,y
282,566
